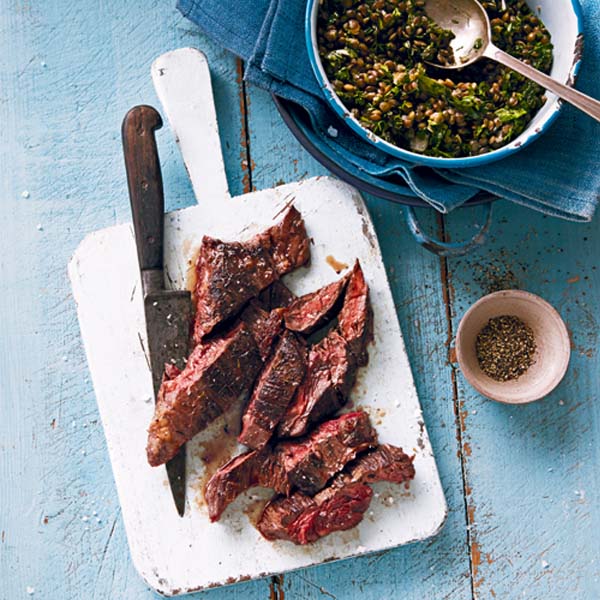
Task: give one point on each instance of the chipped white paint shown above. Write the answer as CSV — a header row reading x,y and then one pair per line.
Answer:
x,y
177,555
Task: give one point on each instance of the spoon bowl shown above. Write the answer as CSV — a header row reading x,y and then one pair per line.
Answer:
x,y
470,24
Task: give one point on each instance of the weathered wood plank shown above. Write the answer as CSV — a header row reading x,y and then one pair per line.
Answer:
x,y
68,73
532,470
437,568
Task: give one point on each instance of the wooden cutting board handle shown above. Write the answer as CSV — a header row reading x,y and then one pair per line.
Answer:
x,y
183,86
144,180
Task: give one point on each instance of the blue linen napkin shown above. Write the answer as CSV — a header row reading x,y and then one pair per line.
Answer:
x,y
556,175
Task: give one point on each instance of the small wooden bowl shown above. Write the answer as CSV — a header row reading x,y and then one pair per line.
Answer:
x,y
551,337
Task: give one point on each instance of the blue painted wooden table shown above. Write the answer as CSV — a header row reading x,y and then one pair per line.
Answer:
x,y
522,483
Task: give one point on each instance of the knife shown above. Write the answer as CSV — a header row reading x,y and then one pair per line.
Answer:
x,y
168,313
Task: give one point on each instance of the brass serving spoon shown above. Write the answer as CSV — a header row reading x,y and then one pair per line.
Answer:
x,y
472,30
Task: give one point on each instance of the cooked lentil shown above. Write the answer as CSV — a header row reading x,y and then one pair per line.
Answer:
x,y
375,51
505,348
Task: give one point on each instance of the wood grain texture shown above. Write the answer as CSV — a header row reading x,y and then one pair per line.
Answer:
x,y
68,73
532,471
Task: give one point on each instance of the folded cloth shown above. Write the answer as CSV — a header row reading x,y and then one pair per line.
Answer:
x,y
556,175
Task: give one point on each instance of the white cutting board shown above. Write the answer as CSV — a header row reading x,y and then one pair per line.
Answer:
x,y
179,555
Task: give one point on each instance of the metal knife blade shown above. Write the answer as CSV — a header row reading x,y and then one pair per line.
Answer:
x,y
168,313
168,317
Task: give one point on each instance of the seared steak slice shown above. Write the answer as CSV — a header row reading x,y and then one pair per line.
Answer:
x,y
384,463
307,464
311,311
233,478
273,391
264,326
302,519
311,463
329,379
228,275
287,242
355,321
341,505
216,374
231,273
277,295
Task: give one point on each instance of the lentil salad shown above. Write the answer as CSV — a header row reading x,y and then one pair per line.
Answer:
x,y
376,54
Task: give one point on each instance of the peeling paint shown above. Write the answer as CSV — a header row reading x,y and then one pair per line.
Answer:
x,y
276,588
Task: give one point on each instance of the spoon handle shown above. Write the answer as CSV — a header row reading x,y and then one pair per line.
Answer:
x,y
581,101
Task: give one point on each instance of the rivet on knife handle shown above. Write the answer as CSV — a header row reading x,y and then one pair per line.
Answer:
x,y
145,191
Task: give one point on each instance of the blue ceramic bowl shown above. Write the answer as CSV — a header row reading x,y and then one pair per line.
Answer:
x,y
563,18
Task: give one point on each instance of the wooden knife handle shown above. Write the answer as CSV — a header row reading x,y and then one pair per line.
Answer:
x,y
144,180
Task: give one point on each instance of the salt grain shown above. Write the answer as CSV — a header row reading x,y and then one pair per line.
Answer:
x,y
85,519
332,131
39,227
545,565
25,194
30,590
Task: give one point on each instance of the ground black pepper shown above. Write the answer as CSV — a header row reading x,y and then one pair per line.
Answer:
x,y
505,348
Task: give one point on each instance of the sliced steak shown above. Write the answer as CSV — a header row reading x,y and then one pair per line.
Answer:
x,y
287,242
277,295
216,374
273,391
341,505
233,478
307,464
384,463
311,463
330,376
311,311
231,273
264,326
303,520
228,275
355,322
